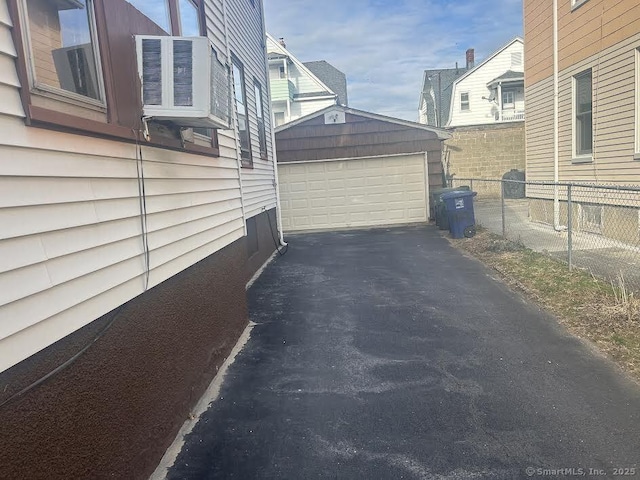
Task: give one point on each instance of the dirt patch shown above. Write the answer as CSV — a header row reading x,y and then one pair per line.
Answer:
x,y
606,314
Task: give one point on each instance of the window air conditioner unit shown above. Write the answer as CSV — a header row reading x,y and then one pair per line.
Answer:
x,y
183,81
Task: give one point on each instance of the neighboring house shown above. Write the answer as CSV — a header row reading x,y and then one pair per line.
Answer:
x,y
295,90
595,121
126,243
435,99
484,111
343,168
332,78
491,92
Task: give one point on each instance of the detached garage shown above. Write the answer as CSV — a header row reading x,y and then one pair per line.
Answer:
x,y
341,168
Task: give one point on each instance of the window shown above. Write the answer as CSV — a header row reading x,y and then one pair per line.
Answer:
x,y
64,48
241,109
189,19
157,11
464,102
582,106
283,73
185,15
508,99
262,131
591,218
83,76
278,118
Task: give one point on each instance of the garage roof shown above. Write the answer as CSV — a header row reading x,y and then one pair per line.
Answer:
x,y
441,133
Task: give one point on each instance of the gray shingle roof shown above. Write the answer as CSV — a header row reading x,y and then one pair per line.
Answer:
x,y
331,77
440,81
509,75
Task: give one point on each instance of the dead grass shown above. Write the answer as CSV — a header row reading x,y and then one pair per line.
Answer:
x,y
607,314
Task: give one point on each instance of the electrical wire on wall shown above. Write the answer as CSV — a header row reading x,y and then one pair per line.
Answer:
x,y
67,363
142,201
114,316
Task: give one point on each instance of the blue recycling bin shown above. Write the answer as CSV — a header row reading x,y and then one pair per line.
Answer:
x,y
462,221
437,208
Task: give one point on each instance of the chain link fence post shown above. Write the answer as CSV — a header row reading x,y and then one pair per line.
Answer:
x,y
569,228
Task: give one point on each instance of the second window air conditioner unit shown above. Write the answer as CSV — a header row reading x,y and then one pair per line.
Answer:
x,y
183,81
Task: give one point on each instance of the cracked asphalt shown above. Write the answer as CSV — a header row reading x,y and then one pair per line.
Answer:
x,y
388,354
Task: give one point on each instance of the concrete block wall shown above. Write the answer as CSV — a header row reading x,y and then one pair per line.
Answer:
x,y
486,151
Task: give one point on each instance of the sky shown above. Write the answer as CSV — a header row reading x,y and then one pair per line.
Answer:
x,y
384,46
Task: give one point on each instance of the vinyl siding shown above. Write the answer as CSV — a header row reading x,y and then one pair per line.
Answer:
x,y
583,32
480,111
246,38
614,108
10,104
71,247
538,41
595,26
303,82
539,131
301,109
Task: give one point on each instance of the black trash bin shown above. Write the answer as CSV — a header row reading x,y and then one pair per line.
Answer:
x,y
459,206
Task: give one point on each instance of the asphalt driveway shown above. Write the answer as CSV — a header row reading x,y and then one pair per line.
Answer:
x,y
387,354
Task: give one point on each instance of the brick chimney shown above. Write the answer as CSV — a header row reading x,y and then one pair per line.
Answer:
x,y
471,58
281,42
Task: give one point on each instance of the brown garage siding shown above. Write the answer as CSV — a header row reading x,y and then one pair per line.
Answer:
x,y
358,137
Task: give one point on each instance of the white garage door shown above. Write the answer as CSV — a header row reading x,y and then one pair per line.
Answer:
x,y
353,193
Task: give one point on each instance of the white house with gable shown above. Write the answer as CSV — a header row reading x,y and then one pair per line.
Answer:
x,y
295,90
493,91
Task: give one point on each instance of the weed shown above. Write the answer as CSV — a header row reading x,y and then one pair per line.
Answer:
x,y
606,313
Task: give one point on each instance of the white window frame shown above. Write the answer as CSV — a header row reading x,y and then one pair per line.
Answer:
x,y
468,102
575,158
513,103
60,93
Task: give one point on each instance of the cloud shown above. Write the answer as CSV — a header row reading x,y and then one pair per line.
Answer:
x,y
383,46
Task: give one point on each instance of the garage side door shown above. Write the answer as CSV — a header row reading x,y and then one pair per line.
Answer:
x,y
353,193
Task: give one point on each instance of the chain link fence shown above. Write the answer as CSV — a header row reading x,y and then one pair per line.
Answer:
x,y
592,227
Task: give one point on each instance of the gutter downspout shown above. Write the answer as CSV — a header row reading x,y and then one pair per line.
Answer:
x,y
556,154
274,155
277,185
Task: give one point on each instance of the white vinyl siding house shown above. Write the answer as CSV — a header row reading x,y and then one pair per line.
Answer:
x,y
71,244
257,182
477,96
614,78
295,91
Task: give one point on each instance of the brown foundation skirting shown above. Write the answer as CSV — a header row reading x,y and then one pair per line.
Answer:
x,y
115,410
